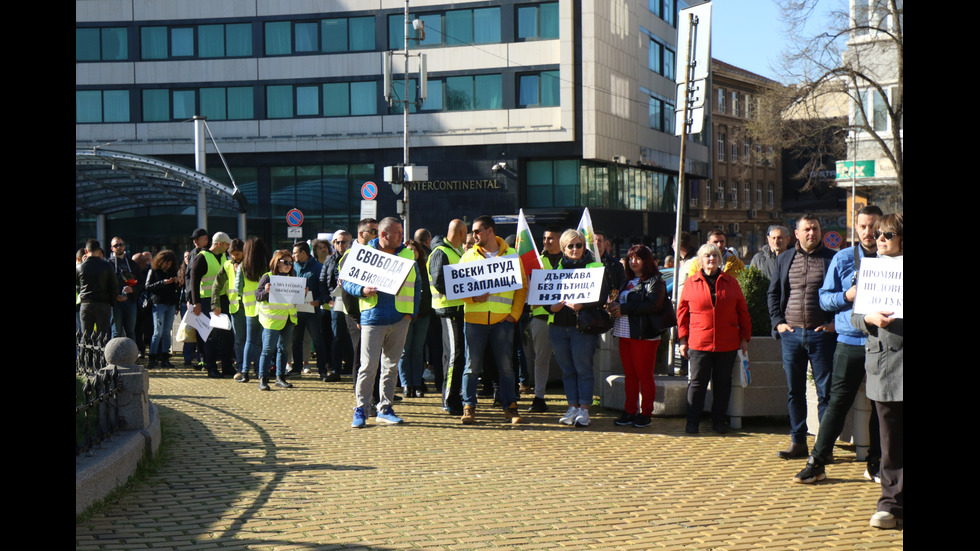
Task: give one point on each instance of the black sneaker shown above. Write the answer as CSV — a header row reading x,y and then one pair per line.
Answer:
x,y
625,420
641,421
538,405
871,473
812,473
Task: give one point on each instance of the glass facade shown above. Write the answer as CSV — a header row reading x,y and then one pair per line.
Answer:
x,y
573,183
537,22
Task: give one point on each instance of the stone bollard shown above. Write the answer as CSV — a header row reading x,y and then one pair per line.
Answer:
x,y
133,398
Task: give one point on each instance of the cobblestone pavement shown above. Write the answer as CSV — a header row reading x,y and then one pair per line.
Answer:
x,y
284,470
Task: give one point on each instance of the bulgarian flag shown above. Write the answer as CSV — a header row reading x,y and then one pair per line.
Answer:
x,y
585,226
525,246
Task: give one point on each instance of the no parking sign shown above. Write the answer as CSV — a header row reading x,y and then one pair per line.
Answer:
x,y
832,240
294,218
369,191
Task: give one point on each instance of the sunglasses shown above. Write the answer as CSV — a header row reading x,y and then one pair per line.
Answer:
x,y
575,245
371,232
117,245
286,262
888,234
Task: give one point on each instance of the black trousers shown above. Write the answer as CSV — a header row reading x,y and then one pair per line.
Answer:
x,y
715,367
891,415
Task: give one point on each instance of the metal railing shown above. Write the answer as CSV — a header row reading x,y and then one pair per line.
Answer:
x,y
96,392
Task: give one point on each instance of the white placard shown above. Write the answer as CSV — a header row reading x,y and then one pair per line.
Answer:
x,y
489,275
287,289
201,323
307,305
221,321
370,267
580,286
880,287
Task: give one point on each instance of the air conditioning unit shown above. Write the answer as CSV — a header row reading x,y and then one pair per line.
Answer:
x,y
734,227
752,214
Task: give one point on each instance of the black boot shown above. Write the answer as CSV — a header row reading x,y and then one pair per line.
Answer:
x,y
165,360
264,383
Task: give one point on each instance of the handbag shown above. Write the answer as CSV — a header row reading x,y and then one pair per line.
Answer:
x,y
744,373
593,321
666,317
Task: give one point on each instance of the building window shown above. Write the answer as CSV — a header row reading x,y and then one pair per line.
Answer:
x,y
232,103
772,195
758,195
735,104
733,193
661,58
746,149
661,113
96,106
721,148
538,22
720,194
538,89
553,183
101,44
747,195
758,155
467,93
448,28
353,34
707,194
721,100
734,158
332,99
202,41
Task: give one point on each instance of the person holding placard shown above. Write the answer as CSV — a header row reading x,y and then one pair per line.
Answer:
x,y
638,311
385,318
204,270
277,321
489,321
712,325
884,363
573,349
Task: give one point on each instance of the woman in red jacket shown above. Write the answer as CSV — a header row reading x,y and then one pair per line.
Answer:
x,y
712,324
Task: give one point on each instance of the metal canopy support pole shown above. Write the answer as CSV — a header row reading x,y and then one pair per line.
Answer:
x,y
200,164
405,123
681,177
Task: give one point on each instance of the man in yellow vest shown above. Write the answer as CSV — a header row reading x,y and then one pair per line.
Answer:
x,y
450,312
384,326
489,320
204,270
539,323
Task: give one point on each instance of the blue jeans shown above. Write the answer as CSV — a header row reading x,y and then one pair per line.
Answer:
x,y
275,343
800,346
163,325
574,352
253,346
238,327
124,317
310,323
412,364
500,336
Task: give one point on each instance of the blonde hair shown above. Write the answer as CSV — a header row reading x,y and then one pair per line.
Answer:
x,y
569,236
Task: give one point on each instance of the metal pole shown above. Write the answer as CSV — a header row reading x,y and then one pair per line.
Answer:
x,y
405,123
854,186
681,180
200,164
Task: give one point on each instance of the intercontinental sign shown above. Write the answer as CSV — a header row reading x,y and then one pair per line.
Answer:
x,y
454,185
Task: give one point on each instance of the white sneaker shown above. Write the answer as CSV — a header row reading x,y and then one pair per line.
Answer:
x,y
569,417
306,370
884,519
582,419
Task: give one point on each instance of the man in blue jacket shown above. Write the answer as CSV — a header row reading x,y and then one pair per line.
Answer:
x,y
384,325
837,296
309,267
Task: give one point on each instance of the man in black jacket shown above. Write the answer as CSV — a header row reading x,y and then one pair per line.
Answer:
x,y
805,331
97,287
450,313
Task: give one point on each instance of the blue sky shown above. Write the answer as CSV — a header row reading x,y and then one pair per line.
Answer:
x,y
747,34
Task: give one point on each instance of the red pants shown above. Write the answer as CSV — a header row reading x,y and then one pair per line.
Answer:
x,y
639,359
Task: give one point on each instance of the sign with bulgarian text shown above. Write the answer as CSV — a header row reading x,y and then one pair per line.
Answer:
x,y
880,287
490,275
286,289
572,286
370,267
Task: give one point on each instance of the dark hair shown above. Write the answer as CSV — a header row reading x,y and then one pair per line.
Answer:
x,y
364,223
79,254
716,231
256,259
423,235
303,246
643,253
895,223
871,210
553,228
486,222
809,217
162,258
420,249
279,255
236,245
93,245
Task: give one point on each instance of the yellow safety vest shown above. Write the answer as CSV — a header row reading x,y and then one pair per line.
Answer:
x,y
273,315
214,266
405,298
229,267
248,297
439,300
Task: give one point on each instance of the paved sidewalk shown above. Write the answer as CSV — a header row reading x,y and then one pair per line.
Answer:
x,y
284,470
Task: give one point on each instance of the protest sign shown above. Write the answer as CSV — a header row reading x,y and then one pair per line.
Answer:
x,y
370,267
287,289
572,286
200,323
307,305
490,275
880,287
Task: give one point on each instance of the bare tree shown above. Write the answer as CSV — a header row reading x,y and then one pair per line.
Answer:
x,y
850,76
